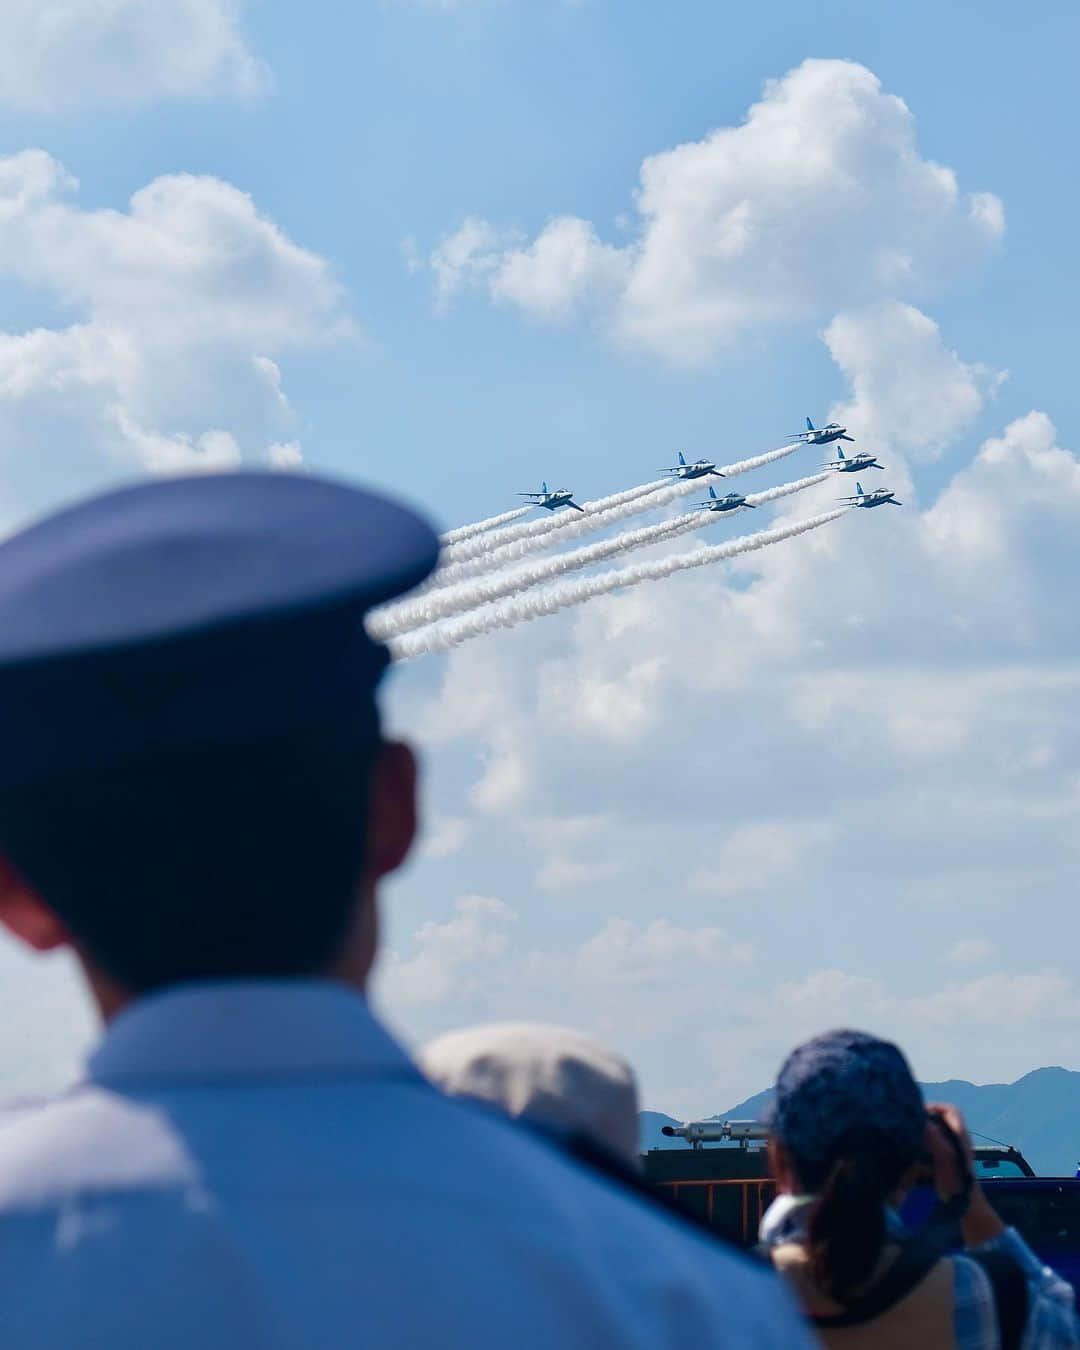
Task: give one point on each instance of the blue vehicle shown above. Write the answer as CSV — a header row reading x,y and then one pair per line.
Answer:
x,y
1044,1210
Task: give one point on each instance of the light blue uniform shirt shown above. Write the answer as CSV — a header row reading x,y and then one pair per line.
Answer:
x,y
260,1164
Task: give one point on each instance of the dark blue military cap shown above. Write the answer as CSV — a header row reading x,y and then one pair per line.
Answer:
x,y
191,610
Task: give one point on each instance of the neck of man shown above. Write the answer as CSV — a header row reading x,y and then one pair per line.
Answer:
x,y
350,966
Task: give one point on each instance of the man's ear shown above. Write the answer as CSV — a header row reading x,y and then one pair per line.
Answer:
x,y
25,915
393,812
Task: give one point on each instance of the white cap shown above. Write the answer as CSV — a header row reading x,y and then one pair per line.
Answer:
x,y
549,1075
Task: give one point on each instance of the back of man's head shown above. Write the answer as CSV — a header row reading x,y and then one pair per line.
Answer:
x,y
212,862
189,740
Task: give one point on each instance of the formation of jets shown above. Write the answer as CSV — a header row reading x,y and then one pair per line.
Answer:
x,y
704,468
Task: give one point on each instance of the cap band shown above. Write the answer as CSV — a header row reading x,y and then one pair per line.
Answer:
x,y
70,717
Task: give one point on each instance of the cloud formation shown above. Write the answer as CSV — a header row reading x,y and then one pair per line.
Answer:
x,y
180,307
707,1018
820,200
56,55
908,389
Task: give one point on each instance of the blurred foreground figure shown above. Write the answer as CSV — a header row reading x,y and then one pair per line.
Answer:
x,y
195,796
850,1136
548,1075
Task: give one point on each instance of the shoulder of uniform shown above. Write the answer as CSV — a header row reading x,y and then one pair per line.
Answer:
x,y
84,1141
13,1108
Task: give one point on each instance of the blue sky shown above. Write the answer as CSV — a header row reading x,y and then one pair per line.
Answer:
x,y
399,119
836,783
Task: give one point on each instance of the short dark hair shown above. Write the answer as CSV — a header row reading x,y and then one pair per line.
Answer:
x,y
203,863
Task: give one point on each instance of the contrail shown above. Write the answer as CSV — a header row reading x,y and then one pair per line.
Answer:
x,y
496,585
440,637
393,620
499,547
480,526
550,522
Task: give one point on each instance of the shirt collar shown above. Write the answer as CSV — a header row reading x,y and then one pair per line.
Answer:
x,y
788,1220
247,1029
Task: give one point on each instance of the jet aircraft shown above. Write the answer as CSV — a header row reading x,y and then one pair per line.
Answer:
x,y
823,435
552,501
862,461
731,502
880,497
701,468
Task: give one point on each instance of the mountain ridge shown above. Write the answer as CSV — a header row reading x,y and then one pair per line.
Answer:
x,y
1039,1113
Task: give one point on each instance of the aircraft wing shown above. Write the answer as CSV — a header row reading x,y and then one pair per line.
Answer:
x,y
576,507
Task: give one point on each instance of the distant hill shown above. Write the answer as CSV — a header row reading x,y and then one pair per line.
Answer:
x,y
650,1124
1039,1113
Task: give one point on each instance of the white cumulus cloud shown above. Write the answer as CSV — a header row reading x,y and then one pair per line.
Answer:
x,y
819,201
56,55
447,957
908,389
178,308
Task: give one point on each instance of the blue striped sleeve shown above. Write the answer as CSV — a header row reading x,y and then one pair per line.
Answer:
x,y
974,1319
1052,1322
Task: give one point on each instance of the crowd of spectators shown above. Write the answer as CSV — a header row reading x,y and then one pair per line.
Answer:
x,y
197,798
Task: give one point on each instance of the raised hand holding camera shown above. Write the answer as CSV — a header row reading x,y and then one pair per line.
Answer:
x,y
948,1144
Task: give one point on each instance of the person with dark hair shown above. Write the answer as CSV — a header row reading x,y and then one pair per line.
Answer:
x,y
850,1134
197,799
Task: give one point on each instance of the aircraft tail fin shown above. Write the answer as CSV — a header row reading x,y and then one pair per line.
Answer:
x,y
682,458
858,490
544,489
712,493
840,453
809,425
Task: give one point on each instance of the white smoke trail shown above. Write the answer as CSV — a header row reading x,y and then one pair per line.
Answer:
x,y
440,637
482,526
786,489
428,608
499,547
422,609
550,522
